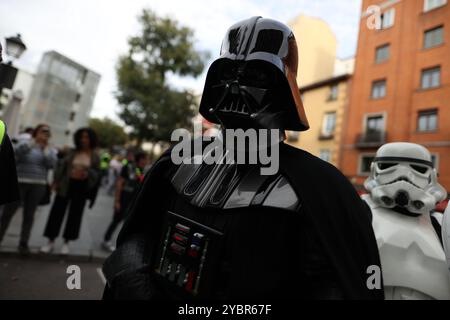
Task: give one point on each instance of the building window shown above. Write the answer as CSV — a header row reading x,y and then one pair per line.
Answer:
x,y
325,155
434,37
334,92
72,116
379,89
431,78
374,134
382,53
83,77
365,163
67,132
329,125
427,121
433,4
65,72
374,124
77,98
388,19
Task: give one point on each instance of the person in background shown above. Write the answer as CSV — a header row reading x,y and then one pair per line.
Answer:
x,y
115,165
75,182
34,158
131,176
25,135
104,166
403,190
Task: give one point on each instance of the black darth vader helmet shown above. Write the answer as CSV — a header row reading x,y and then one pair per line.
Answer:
x,y
253,84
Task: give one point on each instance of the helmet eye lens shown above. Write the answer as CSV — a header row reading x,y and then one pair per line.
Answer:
x,y
258,78
419,169
251,75
384,165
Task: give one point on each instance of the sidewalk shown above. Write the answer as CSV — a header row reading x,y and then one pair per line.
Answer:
x,y
88,246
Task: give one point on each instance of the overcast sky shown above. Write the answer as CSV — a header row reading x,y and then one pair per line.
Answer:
x,y
95,32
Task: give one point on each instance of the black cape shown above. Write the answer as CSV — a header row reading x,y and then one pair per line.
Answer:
x,y
342,221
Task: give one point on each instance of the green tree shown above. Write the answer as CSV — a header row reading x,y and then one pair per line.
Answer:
x,y
149,104
109,133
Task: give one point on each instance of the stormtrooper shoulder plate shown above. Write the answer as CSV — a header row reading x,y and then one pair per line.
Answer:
x,y
412,257
231,186
446,235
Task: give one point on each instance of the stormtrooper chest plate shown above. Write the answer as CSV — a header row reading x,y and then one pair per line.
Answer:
x,y
412,257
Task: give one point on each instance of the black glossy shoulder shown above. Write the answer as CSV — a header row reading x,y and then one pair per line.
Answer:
x,y
231,186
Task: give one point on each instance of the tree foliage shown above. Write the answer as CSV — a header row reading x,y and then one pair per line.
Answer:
x,y
149,105
109,133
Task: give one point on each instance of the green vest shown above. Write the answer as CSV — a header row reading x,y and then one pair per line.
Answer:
x,y
2,131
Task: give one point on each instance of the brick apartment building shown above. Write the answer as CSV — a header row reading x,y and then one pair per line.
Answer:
x,y
401,84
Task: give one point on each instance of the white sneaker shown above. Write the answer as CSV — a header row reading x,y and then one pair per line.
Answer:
x,y
108,246
47,248
65,249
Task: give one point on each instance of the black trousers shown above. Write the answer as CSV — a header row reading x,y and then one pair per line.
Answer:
x,y
31,195
118,216
76,200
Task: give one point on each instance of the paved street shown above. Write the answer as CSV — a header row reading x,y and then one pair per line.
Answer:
x,y
46,279
44,276
88,246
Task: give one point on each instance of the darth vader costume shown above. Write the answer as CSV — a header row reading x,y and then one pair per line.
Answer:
x,y
225,231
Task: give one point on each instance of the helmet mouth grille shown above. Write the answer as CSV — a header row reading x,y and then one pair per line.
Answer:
x,y
240,109
248,94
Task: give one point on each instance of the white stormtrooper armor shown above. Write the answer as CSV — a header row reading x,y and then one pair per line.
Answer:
x,y
446,235
404,191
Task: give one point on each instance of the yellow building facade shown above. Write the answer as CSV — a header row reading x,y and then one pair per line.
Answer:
x,y
317,49
326,104
324,84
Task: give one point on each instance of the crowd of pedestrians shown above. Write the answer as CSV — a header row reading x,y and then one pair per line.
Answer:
x,y
69,179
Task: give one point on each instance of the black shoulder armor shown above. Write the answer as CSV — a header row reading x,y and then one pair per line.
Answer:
x,y
231,186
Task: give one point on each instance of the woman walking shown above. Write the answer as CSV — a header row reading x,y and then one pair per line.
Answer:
x,y
76,181
34,158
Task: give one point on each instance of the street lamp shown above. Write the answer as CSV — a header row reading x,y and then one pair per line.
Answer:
x,y
14,49
15,46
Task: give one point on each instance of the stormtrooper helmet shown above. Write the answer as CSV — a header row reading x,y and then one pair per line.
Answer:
x,y
403,175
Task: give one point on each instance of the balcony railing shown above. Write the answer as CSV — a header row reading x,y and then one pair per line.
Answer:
x,y
293,136
371,139
326,136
